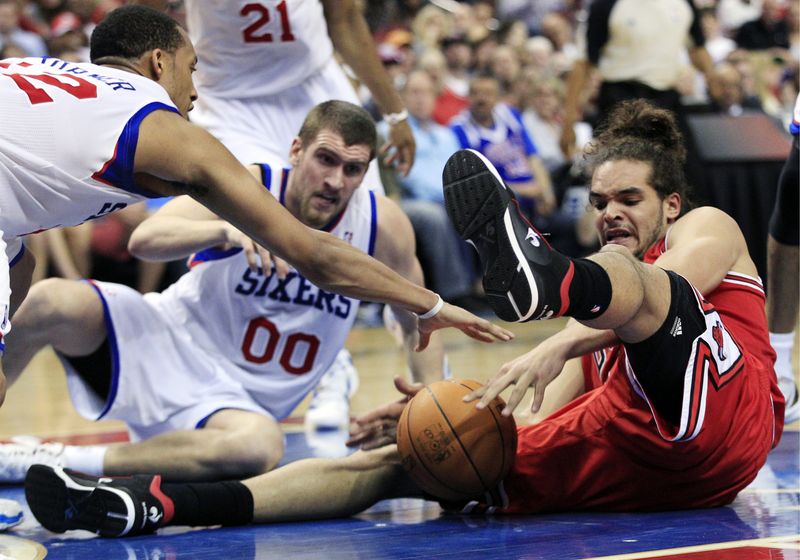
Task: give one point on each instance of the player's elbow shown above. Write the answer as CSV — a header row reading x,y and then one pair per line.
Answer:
x,y
143,245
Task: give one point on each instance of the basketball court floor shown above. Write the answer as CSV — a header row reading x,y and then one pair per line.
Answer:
x,y
762,524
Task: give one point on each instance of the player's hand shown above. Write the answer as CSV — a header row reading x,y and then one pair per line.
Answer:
x,y
463,320
379,426
567,141
535,369
402,140
256,255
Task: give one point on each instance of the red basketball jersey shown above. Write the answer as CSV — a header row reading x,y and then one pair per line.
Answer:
x,y
610,450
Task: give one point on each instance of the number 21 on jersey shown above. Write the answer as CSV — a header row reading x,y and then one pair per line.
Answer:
x,y
257,31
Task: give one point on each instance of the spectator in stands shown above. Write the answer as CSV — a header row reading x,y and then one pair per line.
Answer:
x,y
497,131
731,99
640,58
770,30
446,261
29,43
453,98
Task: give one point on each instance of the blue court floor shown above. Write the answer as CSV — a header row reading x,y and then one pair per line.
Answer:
x,y
762,524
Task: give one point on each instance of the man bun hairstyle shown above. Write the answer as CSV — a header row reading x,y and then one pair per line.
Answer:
x,y
637,130
353,123
130,31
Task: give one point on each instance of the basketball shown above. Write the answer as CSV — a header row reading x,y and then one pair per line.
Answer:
x,y
452,450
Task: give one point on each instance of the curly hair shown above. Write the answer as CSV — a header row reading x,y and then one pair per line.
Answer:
x,y
637,130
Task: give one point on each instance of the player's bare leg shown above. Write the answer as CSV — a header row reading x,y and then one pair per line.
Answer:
x,y
63,313
233,444
328,488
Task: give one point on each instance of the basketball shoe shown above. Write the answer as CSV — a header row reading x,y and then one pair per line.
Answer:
x,y
792,395
10,514
62,500
329,408
523,277
23,451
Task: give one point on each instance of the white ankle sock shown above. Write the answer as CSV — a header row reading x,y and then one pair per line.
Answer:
x,y
84,458
783,343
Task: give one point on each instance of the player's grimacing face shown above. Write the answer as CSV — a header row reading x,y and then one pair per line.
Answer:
x,y
628,210
325,175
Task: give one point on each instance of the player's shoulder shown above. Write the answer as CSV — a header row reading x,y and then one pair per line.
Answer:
x,y
705,221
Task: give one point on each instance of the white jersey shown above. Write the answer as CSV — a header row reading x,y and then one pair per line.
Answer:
x,y
67,141
281,335
248,49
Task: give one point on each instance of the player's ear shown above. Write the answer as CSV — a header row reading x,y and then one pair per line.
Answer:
x,y
294,150
672,206
155,63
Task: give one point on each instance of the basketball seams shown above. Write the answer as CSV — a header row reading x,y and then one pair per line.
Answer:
x,y
439,470
502,438
458,439
419,455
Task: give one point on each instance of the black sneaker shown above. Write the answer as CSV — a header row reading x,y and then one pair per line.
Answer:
x,y
62,500
524,278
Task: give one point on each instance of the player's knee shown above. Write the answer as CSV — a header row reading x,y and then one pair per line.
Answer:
x,y
59,301
246,454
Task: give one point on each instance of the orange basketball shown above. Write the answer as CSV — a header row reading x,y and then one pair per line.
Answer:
x,y
452,450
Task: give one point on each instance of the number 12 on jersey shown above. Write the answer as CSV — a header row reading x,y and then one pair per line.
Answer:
x,y
255,32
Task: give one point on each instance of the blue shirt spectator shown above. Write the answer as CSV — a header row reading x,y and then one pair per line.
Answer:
x,y
496,130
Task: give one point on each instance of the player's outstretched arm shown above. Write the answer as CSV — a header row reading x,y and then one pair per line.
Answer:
x,y
540,366
176,151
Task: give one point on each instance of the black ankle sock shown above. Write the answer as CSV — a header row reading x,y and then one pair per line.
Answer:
x,y
589,291
210,503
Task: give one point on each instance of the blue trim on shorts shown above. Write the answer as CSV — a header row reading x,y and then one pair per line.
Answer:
x,y
17,257
203,421
373,229
112,342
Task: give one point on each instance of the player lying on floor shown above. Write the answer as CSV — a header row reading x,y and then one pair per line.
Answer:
x,y
685,406
203,372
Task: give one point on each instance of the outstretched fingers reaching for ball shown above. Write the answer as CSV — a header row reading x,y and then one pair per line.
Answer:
x,y
535,369
463,320
378,427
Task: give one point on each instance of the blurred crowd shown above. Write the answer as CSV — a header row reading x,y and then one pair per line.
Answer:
x,y
466,71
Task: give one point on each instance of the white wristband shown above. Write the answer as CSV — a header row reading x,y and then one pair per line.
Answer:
x,y
433,310
396,118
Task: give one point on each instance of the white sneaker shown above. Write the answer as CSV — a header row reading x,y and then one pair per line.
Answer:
x,y
790,393
329,408
10,513
23,451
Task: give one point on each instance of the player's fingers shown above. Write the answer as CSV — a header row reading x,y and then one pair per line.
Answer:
x,y
406,387
496,331
516,396
476,394
538,396
266,259
494,388
281,267
250,254
424,339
